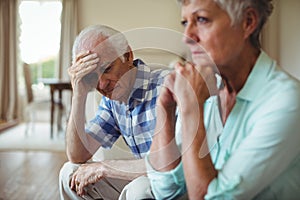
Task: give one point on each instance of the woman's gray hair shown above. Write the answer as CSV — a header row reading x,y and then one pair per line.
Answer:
x,y
236,8
94,35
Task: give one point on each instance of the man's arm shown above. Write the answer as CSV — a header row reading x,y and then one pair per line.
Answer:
x,y
124,169
79,145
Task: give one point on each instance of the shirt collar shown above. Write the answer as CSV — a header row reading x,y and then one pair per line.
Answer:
x,y
142,80
257,77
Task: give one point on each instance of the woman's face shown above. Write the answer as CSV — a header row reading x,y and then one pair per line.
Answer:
x,y
208,29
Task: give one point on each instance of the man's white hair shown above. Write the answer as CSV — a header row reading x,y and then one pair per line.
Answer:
x,y
93,36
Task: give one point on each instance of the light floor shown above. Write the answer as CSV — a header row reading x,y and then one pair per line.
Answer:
x,y
30,175
30,163
37,138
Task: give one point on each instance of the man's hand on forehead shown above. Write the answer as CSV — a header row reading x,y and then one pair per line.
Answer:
x,y
84,68
84,56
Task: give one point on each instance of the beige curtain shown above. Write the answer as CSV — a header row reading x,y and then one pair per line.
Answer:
x,y
68,34
8,60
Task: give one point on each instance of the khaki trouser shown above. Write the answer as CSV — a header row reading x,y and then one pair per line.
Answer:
x,y
107,188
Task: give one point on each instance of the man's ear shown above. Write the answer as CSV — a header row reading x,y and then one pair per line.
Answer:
x,y
128,55
250,21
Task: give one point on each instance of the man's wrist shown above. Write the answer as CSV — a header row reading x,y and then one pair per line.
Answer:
x,y
102,169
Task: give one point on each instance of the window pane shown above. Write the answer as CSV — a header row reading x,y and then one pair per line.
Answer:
x,y
40,36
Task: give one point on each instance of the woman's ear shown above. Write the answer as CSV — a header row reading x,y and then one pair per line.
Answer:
x,y
250,21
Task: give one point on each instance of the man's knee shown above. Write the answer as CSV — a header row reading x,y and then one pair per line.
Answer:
x,y
139,188
67,171
65,174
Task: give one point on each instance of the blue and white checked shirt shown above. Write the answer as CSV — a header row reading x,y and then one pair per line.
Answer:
x,y
136,120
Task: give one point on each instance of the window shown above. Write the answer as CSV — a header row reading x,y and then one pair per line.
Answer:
x,y
39,40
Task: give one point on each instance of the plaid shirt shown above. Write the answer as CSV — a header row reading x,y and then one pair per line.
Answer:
x,y
136,120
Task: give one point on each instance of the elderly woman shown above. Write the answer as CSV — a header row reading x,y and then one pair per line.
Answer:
x,y
236,137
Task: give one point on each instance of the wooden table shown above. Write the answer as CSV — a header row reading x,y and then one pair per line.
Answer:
x,y
59,86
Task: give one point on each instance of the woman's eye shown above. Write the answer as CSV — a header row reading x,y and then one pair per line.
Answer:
x,y
184,23
202,19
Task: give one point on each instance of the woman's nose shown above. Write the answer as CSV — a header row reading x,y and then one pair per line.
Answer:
x,y
190,34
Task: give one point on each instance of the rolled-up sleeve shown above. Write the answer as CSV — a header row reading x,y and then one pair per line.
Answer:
x,y
103,127
222,191
166,185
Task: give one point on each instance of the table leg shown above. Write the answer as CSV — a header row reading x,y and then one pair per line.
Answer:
x,y
52,111
59,118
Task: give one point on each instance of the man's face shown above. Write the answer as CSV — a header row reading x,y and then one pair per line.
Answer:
x,y
115,75
116,79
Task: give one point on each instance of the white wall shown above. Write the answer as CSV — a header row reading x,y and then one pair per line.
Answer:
x,y
128,14
289,36
281,37
132,17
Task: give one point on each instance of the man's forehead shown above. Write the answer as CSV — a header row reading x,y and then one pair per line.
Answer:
x,y
100,44
105,50
98,41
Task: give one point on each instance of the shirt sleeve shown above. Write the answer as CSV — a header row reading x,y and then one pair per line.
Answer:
x,y
166,185
171,184
266,153
103,127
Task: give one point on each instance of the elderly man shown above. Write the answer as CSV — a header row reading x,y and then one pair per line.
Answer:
x,y
102,59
